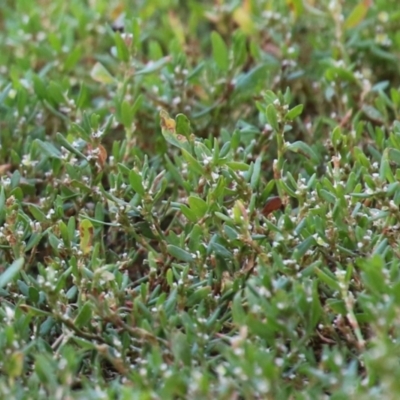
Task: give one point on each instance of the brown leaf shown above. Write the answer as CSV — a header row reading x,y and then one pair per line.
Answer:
x,y
272,204
4,168
102,155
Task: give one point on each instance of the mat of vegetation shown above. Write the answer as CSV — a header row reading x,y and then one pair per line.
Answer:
x,y
199,199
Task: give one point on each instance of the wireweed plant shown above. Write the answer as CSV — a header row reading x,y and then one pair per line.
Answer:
x,y
199,200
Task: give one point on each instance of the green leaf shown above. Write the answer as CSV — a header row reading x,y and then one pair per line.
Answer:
x,y
136,105
198,206
4,93
126,114
248,83
47,148
272,117
72,58
84,316
220,250
327,196
385,170
135,180
55,92
153,66
39,87
239,47
37,213
192,162
44,369
238,166
220,51
100,74
302,248
33,294
238,312
255,177
328,280
294,112
183,125
189,213
179,253
33,241
270,96
304,149
11,271
64,142
394,155
122,49
65,233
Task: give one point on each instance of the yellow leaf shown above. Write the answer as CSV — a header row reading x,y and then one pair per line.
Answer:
x,y
296,6
243,18
86,234
177,27
358,14
166,122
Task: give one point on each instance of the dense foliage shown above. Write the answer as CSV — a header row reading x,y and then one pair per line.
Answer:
x,y
199,199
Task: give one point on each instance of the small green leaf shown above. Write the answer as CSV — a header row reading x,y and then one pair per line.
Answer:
x,y
11,271
327,196
122,49
34,240
183,125
193,164
238,312
179,253
72,58
272,117
55,92
220,250
37,213
255,177
385,170
304,149
220,51
394,155
84,316
238,166
135,180
39,87
126,114
294,112
47,148
153,66
252,80
198,206
64,233
64,142
136,105
328,280
33,294
302,248
189,213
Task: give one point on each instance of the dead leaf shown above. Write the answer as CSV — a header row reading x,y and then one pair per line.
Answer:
x,y
272,204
